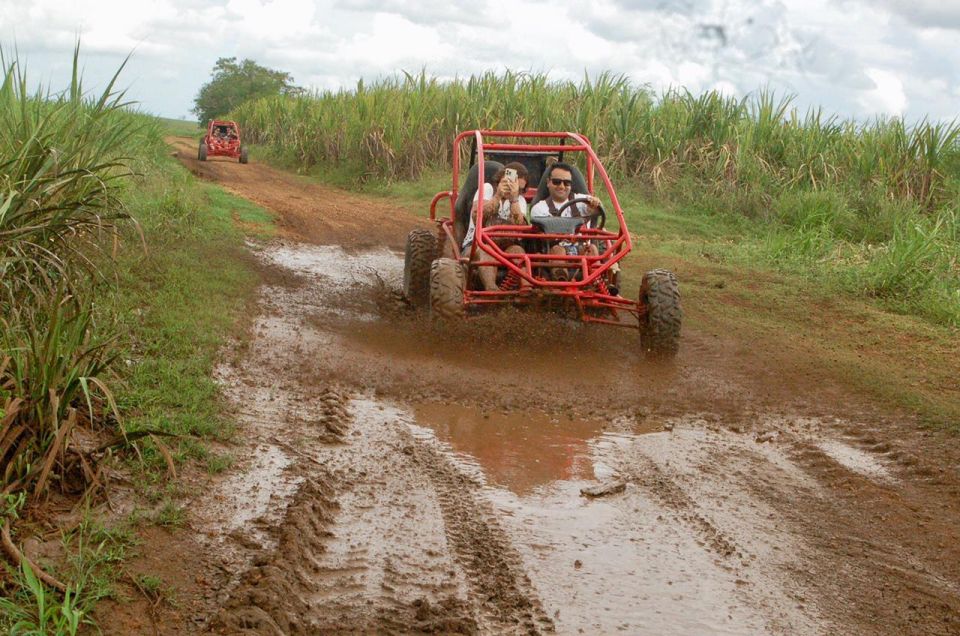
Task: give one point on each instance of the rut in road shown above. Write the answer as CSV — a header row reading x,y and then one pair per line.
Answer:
x,y
383,534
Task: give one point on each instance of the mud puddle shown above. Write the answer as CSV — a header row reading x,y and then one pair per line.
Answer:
x,y
472,507
517,450
629,562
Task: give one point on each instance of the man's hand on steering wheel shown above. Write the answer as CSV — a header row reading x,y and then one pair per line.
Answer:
x,y
594,206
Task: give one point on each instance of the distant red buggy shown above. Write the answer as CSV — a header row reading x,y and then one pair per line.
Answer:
x,y
222,140
441,275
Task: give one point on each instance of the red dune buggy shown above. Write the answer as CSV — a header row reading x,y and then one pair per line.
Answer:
x,y
441,270
222,140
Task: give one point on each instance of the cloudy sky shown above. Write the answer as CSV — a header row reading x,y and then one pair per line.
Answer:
x,y
855,58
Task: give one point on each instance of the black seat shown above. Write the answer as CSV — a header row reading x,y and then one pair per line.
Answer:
x,y
461,219
534,161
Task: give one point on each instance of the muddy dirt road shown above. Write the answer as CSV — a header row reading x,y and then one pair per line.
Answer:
x,y
396,477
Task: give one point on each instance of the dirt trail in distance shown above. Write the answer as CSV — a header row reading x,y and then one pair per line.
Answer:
x,y
312,213
391,479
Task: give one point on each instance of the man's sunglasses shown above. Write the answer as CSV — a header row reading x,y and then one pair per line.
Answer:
x,y
560,182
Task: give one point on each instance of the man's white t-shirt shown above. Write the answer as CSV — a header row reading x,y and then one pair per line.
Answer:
x,y
542,209
503,212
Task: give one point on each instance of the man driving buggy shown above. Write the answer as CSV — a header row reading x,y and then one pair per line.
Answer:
x,y
560,187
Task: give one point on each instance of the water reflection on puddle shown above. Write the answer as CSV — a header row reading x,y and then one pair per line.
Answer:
x,y
519,450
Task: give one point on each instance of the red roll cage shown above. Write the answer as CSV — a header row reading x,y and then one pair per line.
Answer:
x,y
588,287
223,146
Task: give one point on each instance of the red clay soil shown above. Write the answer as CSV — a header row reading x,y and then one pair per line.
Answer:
x,y
312,213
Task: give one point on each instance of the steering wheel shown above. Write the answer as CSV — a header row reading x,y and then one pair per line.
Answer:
x,y
599,214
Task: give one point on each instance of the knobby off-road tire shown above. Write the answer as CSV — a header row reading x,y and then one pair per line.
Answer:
x,y
420,252
447,283
202,153
660,328
243,154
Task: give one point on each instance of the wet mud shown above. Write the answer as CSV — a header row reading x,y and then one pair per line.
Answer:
x,y
397,476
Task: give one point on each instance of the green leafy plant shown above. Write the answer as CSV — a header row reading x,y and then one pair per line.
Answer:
x,y
60,174
37,612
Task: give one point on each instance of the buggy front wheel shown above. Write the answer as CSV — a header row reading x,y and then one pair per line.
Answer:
x,y
660,324
447,283
418,257
243,154
202,153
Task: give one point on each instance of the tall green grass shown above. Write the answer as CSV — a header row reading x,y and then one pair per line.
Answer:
x,y
63,158
817,187
103,317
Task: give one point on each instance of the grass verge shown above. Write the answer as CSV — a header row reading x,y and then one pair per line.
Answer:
x,y
180,288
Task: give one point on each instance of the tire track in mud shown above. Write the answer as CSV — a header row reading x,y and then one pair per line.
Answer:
x,y
875,526
648,475
350,559
505,594
696,474
269,598
329,566
384,566
859,517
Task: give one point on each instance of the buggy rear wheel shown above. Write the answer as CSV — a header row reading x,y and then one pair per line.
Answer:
x,y
202,153
420,252
243,154
660,327
447,283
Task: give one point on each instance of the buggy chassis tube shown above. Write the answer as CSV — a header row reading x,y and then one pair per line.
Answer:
x,y
585,299
592,267
601,262
522,265
622,243
436,199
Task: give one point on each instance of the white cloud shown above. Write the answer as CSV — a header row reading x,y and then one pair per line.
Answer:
x,y
888,96
725,88
268,21
393,40
693,76
853,57
943,14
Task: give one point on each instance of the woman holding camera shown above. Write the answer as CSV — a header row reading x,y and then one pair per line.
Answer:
x,y
503,204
